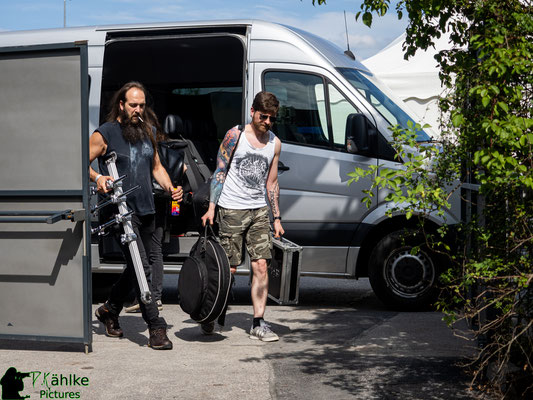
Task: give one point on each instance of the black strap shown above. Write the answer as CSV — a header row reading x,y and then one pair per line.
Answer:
x,y
195,156
241,130
193,173
208,233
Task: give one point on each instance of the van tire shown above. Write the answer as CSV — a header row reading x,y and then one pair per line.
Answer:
x,y
400,279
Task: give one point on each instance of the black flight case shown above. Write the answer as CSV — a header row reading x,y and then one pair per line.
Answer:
x,y
284,271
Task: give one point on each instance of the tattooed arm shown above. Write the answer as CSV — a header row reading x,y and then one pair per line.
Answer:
x,y
272,187
217,182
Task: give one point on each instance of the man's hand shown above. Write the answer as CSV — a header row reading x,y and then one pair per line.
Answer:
x,y
208,216
101,184
278,229
177,194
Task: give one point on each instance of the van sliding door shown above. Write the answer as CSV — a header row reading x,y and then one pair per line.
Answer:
x,y
44,229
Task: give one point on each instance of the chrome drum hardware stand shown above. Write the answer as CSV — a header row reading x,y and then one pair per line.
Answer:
x,y
123,217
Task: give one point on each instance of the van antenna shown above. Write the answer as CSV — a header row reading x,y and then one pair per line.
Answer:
x,y
64,13
347,52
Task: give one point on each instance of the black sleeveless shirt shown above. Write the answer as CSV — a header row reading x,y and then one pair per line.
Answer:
x,y
133,160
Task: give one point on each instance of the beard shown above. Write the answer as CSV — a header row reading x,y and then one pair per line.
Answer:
x,y
132,131
261,126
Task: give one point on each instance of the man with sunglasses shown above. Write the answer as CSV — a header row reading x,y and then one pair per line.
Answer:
x,y
240,190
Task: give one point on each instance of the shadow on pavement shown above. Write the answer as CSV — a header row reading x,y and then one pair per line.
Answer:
x,y
337,358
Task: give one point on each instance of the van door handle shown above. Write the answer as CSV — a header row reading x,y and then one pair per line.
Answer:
x,y
282,167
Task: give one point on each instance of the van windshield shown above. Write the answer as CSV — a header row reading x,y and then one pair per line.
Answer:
x,y
390,110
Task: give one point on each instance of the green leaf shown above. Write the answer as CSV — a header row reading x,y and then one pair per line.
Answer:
x,y
457,120
367,19
503,106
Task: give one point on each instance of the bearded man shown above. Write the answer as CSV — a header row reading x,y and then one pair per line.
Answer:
x,y
130,133
240,193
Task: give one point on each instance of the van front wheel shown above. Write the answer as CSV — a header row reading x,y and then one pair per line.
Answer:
x,y
402,278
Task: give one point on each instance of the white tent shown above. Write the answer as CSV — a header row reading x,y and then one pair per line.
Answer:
x,y
415,81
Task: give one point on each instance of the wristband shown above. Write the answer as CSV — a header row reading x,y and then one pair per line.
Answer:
x,y
97,177
277,218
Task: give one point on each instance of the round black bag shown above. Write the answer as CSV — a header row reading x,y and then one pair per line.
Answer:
x,y
205,279
192,285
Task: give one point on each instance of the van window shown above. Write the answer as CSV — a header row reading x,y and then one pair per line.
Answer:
x,y
340,109
302,114
367,85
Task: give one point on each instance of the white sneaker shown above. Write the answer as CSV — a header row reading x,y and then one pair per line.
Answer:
x,y
263,333
133,307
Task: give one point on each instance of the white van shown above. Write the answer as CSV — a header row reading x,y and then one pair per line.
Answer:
x,y
207,73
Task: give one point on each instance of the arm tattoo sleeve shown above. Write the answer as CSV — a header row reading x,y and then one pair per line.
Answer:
x,y
224,153
273,197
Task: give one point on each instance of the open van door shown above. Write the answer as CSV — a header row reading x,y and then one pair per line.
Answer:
x,y
45,281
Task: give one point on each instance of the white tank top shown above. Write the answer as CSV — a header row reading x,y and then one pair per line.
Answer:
x,y
245,184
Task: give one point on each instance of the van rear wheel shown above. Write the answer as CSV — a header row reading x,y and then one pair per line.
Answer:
x,y
400,278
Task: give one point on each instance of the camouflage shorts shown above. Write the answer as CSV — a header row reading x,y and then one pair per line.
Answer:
x,y
251,226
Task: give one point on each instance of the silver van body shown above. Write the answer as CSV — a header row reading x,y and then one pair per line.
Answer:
x,y
222,64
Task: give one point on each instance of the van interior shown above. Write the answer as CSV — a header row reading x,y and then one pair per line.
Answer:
x,y
196,76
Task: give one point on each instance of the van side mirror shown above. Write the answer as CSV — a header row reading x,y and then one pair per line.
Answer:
x,y
360,135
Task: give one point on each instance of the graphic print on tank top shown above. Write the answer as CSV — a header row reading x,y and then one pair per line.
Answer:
x,y
245,184
252,170
145,150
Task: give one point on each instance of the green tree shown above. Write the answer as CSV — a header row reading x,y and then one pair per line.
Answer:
x,y
487,126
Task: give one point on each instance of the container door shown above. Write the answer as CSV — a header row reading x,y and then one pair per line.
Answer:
x,y
44,220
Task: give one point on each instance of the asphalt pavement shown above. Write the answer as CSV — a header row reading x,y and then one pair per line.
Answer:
x,y
339,342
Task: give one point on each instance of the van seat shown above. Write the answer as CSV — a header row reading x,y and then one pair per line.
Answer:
x,y
188,131
200,133
173,126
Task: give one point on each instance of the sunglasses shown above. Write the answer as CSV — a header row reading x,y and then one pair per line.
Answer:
x,y
264,117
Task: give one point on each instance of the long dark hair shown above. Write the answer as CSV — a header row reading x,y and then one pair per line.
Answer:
x,y
150,118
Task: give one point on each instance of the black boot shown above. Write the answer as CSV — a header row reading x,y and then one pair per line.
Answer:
x,y
159,339
110,321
